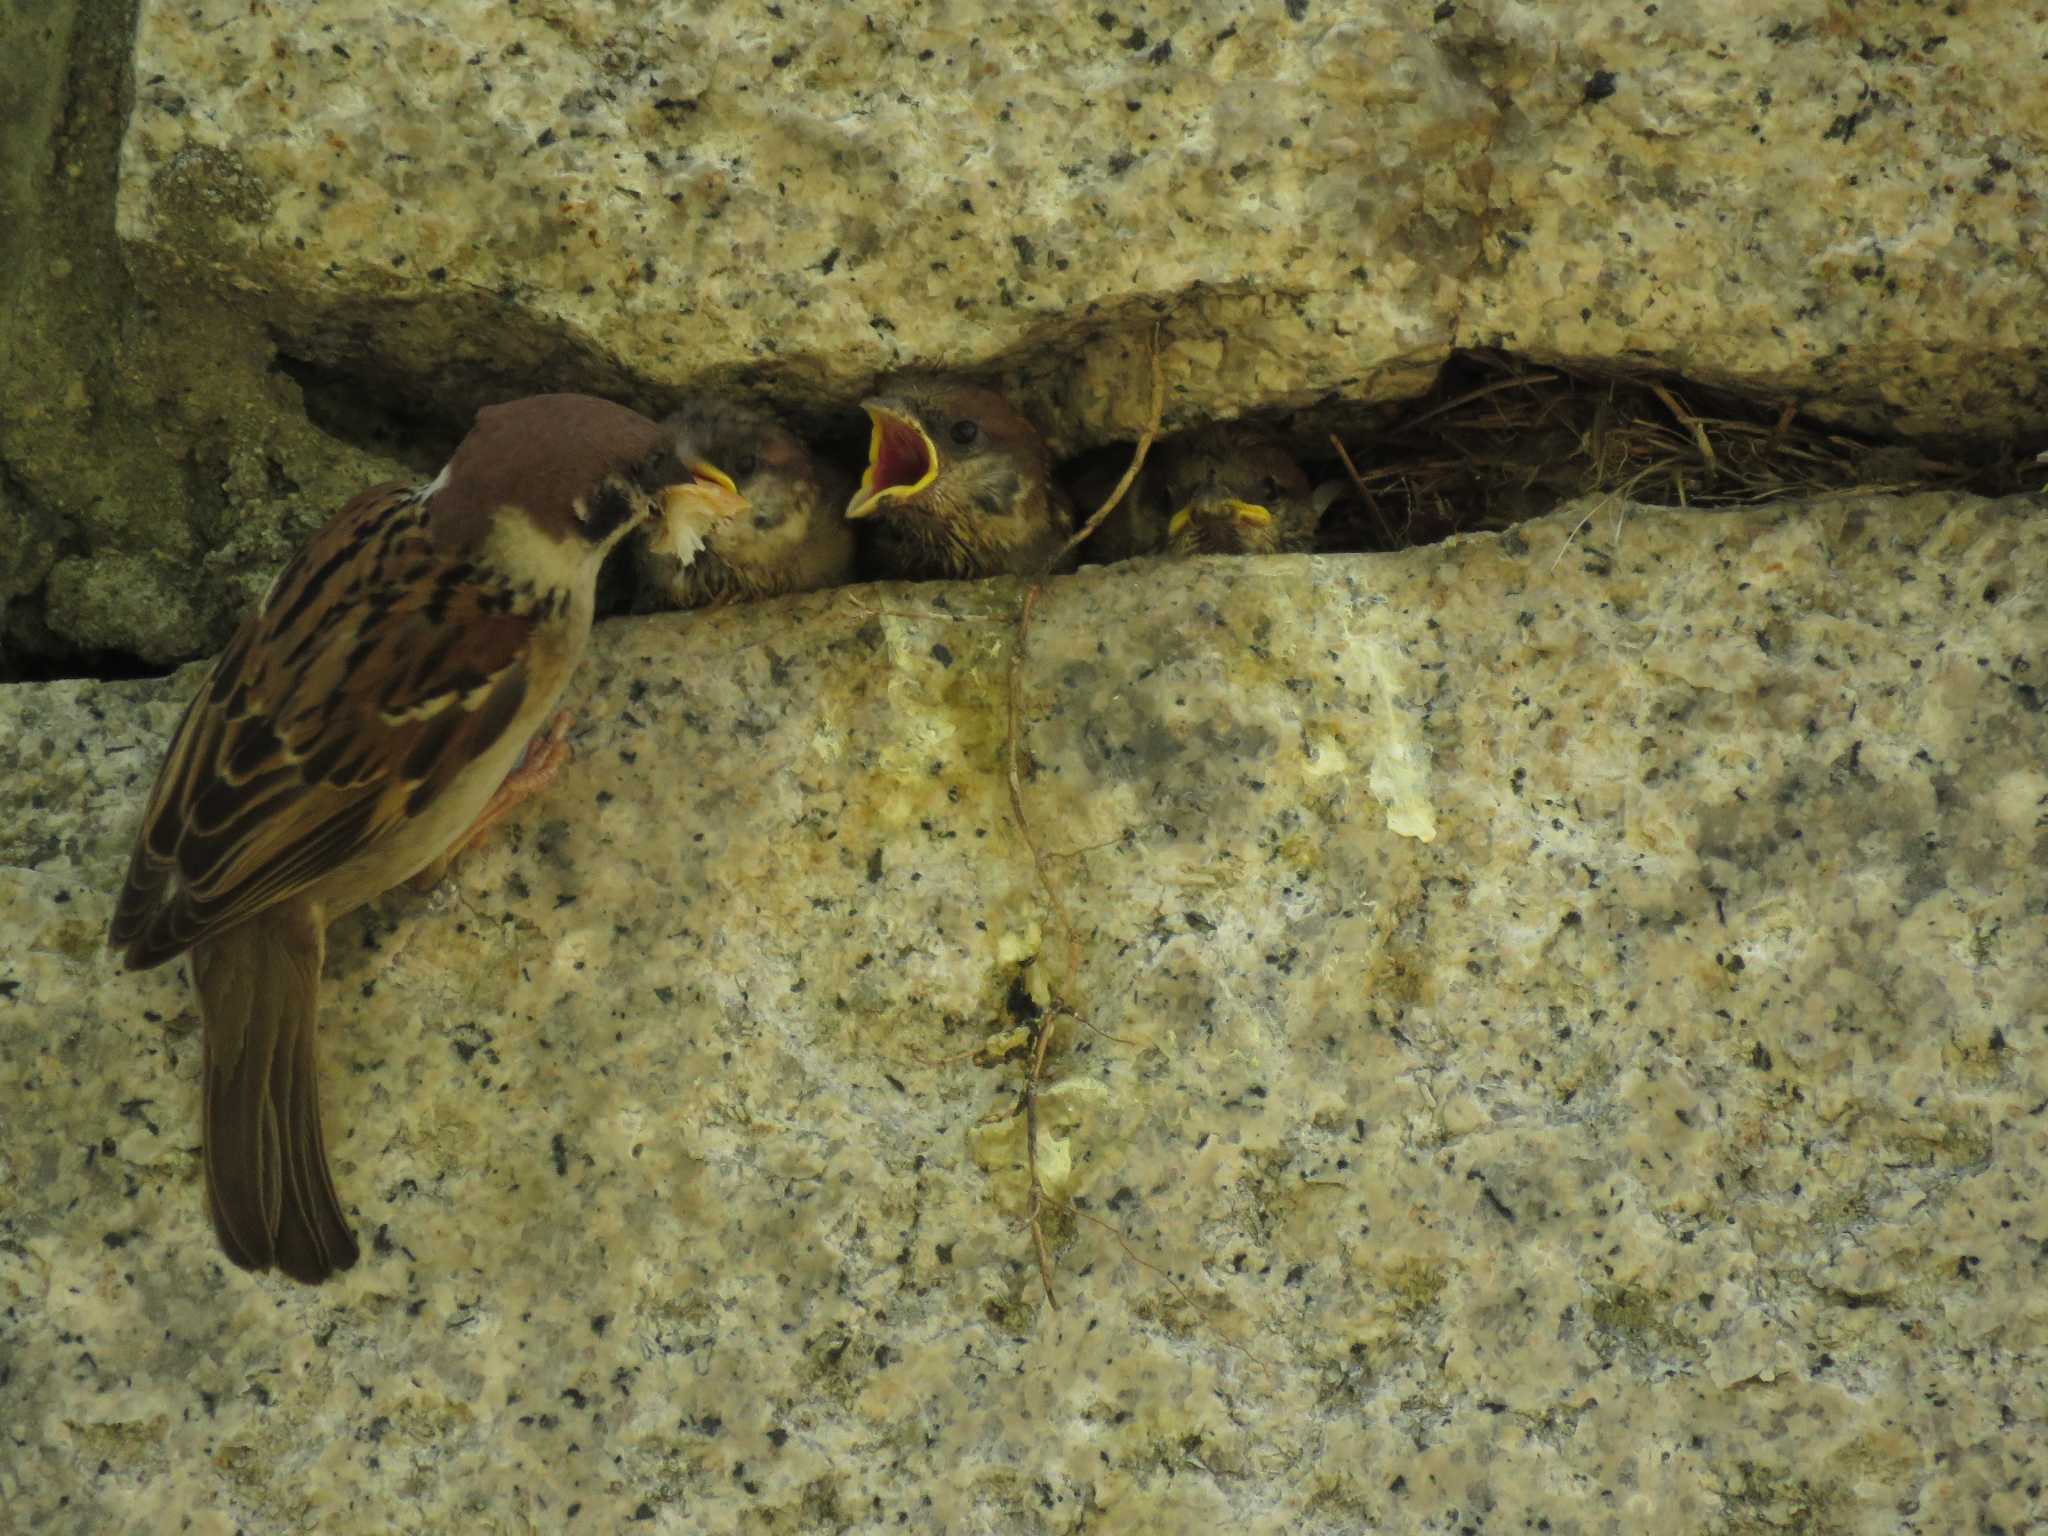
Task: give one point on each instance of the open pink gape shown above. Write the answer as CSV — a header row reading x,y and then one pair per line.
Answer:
x,y
900,456
901,461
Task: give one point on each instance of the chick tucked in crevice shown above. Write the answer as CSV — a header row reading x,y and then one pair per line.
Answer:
x,y
958,485
1220,490
787,533
358,727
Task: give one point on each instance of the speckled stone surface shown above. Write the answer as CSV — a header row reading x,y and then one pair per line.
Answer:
x,y
1841,205
1569,1052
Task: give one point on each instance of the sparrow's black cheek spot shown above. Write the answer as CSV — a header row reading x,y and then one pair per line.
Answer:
x,y
661,467
610,508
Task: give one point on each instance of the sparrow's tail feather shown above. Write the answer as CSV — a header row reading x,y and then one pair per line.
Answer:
x,y
267,1180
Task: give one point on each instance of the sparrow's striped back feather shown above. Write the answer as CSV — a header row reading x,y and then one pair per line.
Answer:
x,y
273,779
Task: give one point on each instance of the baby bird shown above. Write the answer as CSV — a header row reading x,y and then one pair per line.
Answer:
x,y
359,727
787,535
959,484
1221,490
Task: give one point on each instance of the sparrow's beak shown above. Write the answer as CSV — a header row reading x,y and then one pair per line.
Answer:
x,y
901,459
691,510
1242,515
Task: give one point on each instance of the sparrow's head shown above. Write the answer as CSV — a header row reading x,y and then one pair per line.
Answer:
x,y
570,474
946,451
775,486
1235,492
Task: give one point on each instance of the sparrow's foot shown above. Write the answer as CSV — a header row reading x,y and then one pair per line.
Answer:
x,y
534,772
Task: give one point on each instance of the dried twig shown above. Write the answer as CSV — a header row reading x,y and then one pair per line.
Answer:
x,y
1097,1030
1137,463
1521,381
1686,418
1012,752
1358,484
1034,1216
1523,440
1350,468
1034,1210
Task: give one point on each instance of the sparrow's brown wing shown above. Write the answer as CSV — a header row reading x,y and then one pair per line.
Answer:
x,y
375,670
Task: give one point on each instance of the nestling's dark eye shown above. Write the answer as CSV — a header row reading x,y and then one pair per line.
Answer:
x,y
745,465
965,432
1271,489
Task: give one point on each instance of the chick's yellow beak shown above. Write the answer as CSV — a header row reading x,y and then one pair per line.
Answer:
x,y
901,459
1246,513
709,473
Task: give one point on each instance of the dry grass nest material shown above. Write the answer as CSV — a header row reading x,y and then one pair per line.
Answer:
x,y
1501,440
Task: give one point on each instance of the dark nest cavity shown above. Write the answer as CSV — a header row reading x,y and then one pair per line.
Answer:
x,y
1500,440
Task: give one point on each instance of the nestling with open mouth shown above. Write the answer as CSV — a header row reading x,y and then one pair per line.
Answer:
x,y
958,484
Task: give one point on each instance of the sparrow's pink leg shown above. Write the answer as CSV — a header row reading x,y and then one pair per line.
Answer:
x,y
535,770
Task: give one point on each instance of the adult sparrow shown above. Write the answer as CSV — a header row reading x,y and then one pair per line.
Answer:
x,y
355,732
959,484
787,536
1220,490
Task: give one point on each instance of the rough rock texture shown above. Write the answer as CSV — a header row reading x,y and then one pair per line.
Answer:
x,y
1822,201
154,469
1569,1051
410,211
